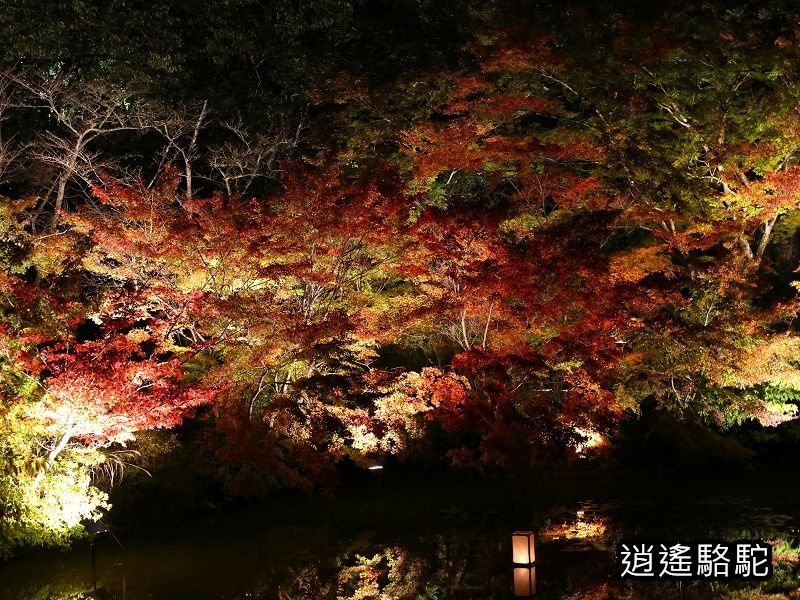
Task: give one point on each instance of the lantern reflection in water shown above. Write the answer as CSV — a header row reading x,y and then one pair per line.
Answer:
x,y
524,582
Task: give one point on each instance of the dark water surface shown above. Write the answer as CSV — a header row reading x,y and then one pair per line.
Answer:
x,y
437,540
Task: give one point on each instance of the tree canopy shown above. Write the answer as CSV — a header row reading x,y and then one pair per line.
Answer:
x,y
483,234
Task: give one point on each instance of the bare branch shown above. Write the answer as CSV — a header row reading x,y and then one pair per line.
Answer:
x,y
247,157
81,112
181,129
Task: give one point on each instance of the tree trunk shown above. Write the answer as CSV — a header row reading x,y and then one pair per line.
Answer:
x,y
59,204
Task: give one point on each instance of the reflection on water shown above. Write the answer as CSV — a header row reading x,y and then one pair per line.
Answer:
x,y
524,582
398,543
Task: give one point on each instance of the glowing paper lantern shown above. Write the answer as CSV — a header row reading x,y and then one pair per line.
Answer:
x,y
524,582
522,548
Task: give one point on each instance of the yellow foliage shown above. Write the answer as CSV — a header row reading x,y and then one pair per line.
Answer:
x,y
773,361
635,265
581,528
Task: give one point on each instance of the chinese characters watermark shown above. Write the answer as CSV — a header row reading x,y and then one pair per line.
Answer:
x,y
742,559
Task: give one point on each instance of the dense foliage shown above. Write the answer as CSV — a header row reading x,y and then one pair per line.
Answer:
x,y
379,235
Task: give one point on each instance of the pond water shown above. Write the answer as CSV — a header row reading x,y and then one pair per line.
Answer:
x,y
434,540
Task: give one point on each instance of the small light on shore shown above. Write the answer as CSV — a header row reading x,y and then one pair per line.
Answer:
x,y
524,559
376,467
522,548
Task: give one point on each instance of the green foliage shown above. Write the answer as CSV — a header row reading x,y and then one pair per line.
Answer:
x,y
47,511
42,502
781,394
